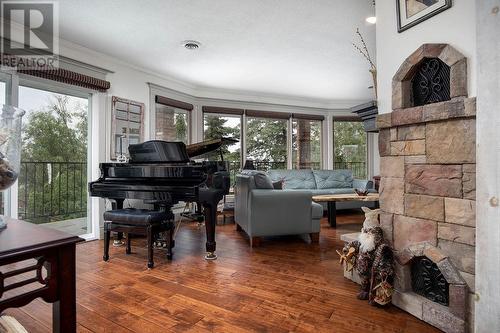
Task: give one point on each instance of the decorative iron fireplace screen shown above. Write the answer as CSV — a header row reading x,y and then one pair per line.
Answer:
x,y
431,82
427,280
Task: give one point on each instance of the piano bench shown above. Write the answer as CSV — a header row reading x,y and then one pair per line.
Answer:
x,y
141,222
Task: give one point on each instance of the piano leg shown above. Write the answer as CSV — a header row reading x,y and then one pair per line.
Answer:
x,y
210,211
118,204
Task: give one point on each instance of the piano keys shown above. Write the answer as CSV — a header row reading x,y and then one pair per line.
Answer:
x,y
162,172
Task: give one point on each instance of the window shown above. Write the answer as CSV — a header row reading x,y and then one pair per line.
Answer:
x,y
349,139
306,144
217,126
172,124
128,125
53,178
266,141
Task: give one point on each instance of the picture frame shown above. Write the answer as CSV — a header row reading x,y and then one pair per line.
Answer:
x,y
413,12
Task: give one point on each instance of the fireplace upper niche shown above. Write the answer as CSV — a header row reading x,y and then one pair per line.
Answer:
x,y
433,73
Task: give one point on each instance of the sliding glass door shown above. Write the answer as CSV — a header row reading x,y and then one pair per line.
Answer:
x,y
52,185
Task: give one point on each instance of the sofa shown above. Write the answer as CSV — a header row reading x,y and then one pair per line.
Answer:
x,y
323,182
261,210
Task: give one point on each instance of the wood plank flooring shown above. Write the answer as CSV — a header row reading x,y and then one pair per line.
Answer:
x,y
286,285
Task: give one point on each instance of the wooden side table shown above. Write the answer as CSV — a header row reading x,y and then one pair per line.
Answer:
x,y
51,249
332,199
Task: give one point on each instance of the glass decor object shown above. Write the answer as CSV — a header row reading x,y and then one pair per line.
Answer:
x,y
10,148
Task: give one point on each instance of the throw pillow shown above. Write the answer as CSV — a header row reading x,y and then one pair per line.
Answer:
x,y
278,185
262,181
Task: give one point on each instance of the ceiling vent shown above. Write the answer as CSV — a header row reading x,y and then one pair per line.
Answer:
x,y
191,44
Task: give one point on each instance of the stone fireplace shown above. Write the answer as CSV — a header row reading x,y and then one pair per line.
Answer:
x,y
427,191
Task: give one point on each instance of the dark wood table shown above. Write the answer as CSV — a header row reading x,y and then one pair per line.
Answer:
x,y
43,248
332,199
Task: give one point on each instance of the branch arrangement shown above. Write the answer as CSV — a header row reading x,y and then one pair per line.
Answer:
x,y
363,49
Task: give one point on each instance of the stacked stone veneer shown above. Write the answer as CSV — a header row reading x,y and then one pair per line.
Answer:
x,y
427,191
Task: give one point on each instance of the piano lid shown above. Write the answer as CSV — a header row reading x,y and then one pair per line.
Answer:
x,y
208,146
157,151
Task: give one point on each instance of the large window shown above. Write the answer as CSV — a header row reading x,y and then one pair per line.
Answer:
x,y
266,142
349,139
172,124
306,144
218,126
53,179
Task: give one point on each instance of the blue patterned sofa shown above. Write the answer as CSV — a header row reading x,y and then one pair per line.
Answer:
x,y
322,182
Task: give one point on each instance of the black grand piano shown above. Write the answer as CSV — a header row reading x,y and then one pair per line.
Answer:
x,y
162,173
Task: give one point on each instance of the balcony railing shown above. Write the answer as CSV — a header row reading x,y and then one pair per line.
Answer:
x,y
52,191
358,168
55,191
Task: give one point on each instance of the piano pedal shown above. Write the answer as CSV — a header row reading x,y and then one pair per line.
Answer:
x,y
210,256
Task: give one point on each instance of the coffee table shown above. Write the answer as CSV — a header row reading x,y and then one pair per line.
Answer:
x,y
332,199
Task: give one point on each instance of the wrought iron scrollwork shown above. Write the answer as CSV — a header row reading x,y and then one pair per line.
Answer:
x,y
431,82
428,281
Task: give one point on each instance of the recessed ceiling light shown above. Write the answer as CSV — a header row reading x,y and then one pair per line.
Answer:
x,y
371,19
191,44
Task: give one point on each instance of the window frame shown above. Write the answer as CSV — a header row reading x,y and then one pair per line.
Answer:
x,y
224,115
288,159
176,111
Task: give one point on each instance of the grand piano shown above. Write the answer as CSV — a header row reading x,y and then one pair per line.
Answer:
x,y
163,173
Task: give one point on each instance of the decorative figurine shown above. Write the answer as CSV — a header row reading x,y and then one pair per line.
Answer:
x,y
10,148
373,259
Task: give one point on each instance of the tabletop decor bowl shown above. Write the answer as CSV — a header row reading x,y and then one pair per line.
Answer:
x,y
10,147
362,192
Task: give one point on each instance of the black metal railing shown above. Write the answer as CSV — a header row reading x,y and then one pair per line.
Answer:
x,y
358,168
52,191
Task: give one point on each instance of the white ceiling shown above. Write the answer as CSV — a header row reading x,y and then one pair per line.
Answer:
x,y
299,48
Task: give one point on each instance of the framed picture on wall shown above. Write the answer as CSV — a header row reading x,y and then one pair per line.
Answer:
x,y
413,12
127,125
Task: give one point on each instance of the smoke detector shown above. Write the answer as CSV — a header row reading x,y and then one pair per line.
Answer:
x,y
191,44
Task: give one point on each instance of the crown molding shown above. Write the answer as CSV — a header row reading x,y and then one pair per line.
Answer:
x,y
74,54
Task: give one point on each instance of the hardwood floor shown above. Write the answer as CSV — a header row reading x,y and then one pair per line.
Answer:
x,y
285,285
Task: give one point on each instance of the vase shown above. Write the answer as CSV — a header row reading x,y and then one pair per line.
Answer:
x,y
373,71
10,148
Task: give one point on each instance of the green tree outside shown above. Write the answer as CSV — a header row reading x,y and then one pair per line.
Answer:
x,y
53,177
350,147
266,141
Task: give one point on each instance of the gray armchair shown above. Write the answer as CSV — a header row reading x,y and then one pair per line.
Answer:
x,y
269,212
